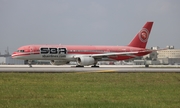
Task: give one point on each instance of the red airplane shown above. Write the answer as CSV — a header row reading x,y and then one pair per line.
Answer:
x,y
86,55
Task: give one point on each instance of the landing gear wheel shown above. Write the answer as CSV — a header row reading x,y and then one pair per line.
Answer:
x,y
79,66
146,66
94,66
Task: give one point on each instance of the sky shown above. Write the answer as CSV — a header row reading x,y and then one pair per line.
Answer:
x,y
87,22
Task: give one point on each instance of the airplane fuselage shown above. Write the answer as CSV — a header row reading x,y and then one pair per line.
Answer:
x,y
67,52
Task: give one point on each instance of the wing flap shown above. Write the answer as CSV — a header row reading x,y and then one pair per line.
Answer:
x,y
114,54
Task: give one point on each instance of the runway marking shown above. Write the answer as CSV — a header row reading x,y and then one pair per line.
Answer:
x,y
100,71
105,71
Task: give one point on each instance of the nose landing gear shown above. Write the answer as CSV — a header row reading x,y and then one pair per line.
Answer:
x,y
30,63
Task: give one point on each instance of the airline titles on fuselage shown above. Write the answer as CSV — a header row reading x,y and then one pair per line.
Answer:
x,y
53,52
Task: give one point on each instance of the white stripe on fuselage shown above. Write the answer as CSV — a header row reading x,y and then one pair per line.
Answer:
x,y
46,57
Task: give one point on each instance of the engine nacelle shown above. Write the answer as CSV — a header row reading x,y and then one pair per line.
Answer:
x,y
58,62
85,61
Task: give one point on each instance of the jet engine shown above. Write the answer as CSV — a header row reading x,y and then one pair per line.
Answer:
x,y
85,61
58,62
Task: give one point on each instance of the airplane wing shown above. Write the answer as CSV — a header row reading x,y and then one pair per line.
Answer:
x,y
151,50
116,54
108,54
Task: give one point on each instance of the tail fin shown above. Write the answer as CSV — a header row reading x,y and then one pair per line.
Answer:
x,y
141,39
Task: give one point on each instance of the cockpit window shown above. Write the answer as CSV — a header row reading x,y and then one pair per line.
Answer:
x,y
20,50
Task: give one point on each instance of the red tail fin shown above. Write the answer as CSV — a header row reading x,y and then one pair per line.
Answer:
x,y
141,39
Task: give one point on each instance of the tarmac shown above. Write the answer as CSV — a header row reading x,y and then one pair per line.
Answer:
x,y
88,69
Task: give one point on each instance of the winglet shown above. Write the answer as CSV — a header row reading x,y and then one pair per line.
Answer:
x,y
141,39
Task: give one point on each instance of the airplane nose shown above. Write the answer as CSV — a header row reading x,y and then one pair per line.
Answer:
x,y
13,55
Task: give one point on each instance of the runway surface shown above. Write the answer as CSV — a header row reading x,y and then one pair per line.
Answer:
x,y
70,69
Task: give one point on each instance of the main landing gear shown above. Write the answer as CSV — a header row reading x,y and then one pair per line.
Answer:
x,y
93,66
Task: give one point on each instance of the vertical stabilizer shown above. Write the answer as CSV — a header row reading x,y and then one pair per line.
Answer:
x,y
141,39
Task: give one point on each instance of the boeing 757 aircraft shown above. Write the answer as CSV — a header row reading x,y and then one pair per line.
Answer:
x,y
86,55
